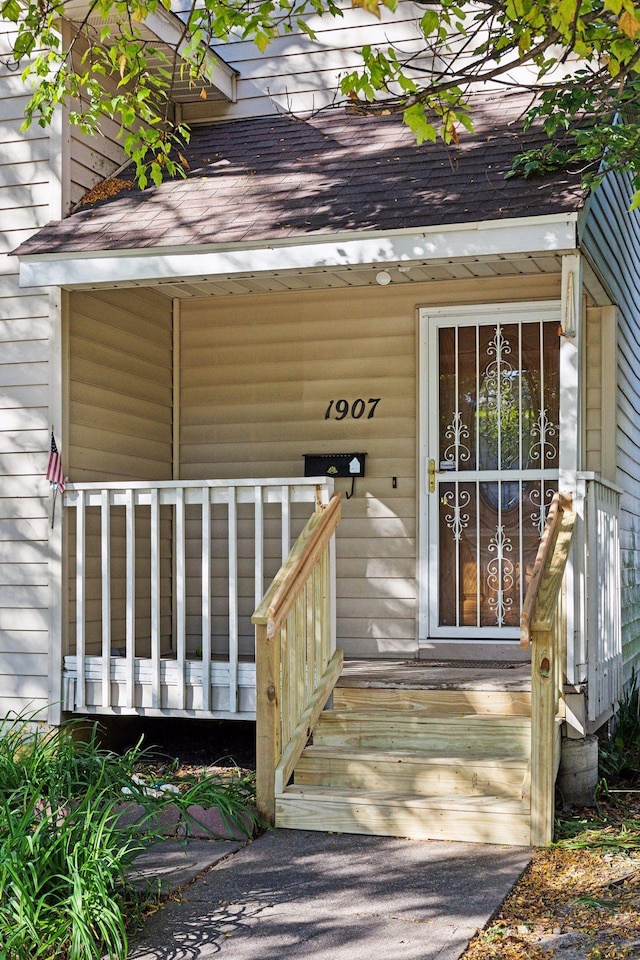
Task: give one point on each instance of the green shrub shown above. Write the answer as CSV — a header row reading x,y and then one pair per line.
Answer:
x,y
619,757
64,852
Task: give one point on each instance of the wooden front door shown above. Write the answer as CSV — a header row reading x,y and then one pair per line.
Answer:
x,y
492,463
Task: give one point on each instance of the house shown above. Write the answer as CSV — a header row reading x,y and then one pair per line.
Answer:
x,y
321,304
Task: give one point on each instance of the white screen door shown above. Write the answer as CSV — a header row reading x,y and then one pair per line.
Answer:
x,y
492,463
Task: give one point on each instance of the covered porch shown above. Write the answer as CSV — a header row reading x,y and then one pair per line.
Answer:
x,y
189,369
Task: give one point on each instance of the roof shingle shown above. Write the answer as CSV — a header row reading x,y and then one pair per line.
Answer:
x,y
282,178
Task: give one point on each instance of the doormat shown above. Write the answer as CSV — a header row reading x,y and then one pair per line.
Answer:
x,y
470,664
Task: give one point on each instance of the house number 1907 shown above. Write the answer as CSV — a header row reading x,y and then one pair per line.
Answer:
x,y
342,408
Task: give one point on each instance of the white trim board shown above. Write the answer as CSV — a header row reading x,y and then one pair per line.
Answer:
x,y
533,235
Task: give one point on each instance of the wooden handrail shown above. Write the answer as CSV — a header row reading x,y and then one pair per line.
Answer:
x,y
296,667
559,503
304,555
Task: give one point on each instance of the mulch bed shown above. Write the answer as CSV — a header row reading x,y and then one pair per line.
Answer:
x,y
578,900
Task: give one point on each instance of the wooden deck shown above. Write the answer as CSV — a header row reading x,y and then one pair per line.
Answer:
x,y
506,676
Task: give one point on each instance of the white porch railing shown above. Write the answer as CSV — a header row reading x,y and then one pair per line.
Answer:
x,y
604,636
162,575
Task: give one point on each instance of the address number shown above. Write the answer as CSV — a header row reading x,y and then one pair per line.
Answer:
x,y
340,409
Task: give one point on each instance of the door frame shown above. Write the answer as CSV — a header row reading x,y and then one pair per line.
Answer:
x,y
428,563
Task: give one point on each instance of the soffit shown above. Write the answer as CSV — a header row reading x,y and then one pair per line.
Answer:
x,y
400,273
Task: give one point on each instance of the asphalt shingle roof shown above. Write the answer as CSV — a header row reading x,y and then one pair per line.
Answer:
x,y
282,178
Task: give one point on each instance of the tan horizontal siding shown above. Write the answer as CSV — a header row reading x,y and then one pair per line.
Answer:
x,y
257,376
120,428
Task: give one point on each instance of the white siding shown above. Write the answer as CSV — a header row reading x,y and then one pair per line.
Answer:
x,y
612,238
257,376
593,390
29,197
299,75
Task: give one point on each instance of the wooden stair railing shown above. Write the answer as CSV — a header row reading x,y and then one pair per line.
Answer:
x,y
543,625
296,666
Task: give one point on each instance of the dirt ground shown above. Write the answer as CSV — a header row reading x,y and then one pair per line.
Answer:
x,y
580,899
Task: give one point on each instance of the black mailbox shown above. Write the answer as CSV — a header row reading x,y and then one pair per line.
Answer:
x,y
334,464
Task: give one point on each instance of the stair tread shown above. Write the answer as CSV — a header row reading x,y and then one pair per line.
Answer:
x,y
405,756
382,798
401,717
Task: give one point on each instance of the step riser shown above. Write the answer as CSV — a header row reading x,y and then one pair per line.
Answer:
x,y
435,703
476,826
419,779
454,737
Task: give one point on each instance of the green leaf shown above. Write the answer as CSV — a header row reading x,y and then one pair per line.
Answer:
x,y
415,119
11,10
429,23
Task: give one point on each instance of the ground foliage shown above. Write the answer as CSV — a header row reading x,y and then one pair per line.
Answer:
x,y
581,61
66,846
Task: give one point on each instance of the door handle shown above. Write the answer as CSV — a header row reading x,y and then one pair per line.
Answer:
x,y
432,476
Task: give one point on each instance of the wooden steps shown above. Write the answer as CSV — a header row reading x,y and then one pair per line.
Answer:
x,y
425,764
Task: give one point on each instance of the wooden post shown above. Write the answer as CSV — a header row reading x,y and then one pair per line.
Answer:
x,y
130,640
81,572
542,739
155,598
105,557
268,746
548,627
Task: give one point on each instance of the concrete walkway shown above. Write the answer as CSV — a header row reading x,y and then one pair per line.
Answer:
x,y
296,894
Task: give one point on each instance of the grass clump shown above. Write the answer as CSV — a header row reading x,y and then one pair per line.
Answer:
x,y
65,849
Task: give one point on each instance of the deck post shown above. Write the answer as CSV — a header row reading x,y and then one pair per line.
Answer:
x,y
543,725
155,599
206,599
131,596
268,745
544,624
81,560
105,559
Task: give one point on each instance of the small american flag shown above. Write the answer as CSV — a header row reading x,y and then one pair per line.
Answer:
x,y
54,467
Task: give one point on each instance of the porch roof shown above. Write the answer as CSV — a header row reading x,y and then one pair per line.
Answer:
x,y
283,180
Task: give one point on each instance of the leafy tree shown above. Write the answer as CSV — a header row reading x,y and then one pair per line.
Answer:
x,y
579,59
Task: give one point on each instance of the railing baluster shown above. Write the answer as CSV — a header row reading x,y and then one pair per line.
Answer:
x,y
258,539
155,600
233,600
286,523
206,599
130,539
105,560
81,559
181,633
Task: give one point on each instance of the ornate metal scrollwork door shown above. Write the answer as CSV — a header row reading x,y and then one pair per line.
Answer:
x,y
493,450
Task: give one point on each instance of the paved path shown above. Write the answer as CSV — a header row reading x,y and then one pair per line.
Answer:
x,y
296,894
